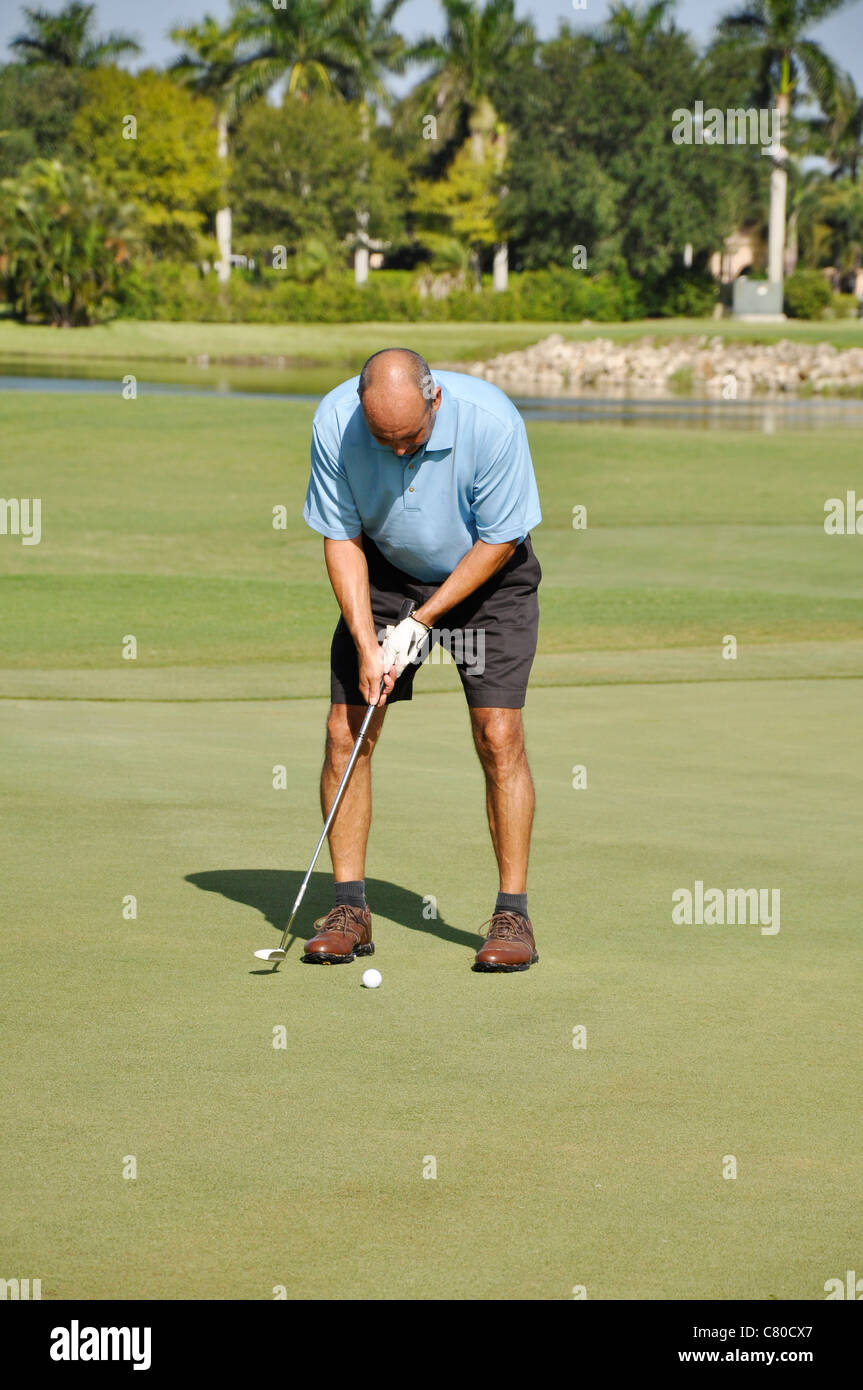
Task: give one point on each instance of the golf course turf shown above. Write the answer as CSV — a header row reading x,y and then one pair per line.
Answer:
x,y
284,1127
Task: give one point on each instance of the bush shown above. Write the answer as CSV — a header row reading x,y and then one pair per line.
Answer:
x,y
681,294
64,245
807,294
168,290
842,306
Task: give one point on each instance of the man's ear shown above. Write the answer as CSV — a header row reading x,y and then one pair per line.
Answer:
x,y
437,398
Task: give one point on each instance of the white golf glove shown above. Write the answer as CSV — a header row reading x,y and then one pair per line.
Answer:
x,y
402,645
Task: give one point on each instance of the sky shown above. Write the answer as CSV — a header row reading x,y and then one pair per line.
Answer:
x,y
841,35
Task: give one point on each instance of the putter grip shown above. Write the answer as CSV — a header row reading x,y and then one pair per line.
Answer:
x,y
405,611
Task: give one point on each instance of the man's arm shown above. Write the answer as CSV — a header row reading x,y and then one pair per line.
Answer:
x,y
349,576
473,569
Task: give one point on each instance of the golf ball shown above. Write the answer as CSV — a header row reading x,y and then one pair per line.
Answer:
x,y
371,978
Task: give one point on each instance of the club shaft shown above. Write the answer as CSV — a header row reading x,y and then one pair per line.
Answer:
x,y
335,806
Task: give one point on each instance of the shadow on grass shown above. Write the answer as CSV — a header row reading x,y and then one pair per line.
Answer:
x,y
272,892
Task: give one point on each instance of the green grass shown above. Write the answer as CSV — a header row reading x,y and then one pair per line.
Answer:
x,y
171,538
348,345
556,1166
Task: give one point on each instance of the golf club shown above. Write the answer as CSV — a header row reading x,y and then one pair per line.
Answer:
x,y
278,953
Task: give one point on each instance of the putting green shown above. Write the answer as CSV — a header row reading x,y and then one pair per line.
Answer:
x,y
261,1166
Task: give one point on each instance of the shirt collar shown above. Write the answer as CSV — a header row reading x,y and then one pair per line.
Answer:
x,y
443,431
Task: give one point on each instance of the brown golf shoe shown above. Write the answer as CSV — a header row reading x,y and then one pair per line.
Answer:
x,y
345,932
509,944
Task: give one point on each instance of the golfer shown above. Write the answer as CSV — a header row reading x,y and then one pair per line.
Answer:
x,y
423,489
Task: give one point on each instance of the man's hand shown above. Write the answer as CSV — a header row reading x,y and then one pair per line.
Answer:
x,y
371,670
402,645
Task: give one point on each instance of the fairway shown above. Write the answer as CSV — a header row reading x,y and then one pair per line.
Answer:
x,y
440,1137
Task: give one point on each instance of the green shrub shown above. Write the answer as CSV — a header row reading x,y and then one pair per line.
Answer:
x,y
64,245
807,294
681,293
166,290
842,306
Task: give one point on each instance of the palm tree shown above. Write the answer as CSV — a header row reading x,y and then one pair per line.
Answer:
x,y
629,29
474,54
66,39
803,225
308,42
774,31
210,65
376,49
840,214
840,132
338,46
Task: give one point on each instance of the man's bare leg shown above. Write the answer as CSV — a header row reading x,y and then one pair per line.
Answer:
x,y
499,739
349,831
498,735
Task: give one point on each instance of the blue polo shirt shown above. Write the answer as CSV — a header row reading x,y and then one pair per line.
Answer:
x,y
473,479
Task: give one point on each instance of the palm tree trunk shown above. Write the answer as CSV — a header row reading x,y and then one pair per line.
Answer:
x,y
778,197
223,216
361,251
792,246
500,275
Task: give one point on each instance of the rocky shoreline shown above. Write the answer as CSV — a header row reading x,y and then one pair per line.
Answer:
x,y
704,365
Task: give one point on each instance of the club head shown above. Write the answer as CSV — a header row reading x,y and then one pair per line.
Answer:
x,y
273,956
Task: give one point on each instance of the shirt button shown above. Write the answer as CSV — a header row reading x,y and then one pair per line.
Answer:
x,y
410,467
410,489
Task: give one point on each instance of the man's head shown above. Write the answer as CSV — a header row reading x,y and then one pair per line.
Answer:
x,y
399,399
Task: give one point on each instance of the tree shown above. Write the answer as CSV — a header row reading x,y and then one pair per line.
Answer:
x,y
630,30
775,32
478,51
210,65
375,48
65,244
305,41
464,201
594,164
67,40
472,61
840,214
37,105
165,163
838,133
330,46
296,178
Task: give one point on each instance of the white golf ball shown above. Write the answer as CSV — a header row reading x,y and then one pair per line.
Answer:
x,y
371,978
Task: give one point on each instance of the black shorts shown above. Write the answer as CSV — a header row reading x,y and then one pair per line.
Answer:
x,y
490,635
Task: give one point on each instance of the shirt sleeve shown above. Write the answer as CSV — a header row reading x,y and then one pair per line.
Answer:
x,y
505,499
330,506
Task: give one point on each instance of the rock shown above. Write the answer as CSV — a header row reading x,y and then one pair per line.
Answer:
x,y
555,364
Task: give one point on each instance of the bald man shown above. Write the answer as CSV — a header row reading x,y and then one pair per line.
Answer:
x,y
423,489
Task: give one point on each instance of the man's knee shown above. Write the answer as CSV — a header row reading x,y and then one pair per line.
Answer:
x,y
343,727
499,737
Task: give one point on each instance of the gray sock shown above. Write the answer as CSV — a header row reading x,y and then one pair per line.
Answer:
x,y
512,902
352,893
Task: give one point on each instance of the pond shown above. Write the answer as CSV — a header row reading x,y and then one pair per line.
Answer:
x,y
761,414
